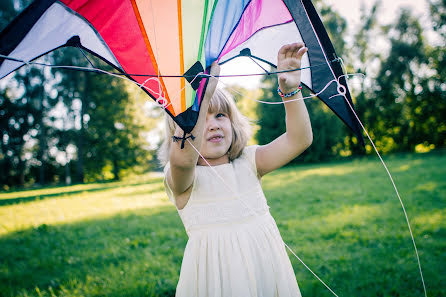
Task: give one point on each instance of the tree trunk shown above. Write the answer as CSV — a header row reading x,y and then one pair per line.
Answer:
x,y
67,173
42,140
115,169
41,154
80,139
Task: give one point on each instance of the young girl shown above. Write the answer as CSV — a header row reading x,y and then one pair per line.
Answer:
x,y
234,247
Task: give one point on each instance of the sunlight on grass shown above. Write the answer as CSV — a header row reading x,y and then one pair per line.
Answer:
x,y
277,179
50,191
328,171
407,166
404,168
353,215
435,219
429,186
76,207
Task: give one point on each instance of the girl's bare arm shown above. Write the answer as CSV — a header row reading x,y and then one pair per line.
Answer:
x,y
298,135
183,161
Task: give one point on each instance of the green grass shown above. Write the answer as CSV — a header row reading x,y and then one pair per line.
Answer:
x,y
342,219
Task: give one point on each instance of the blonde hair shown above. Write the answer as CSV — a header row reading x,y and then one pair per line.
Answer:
x,y
220,102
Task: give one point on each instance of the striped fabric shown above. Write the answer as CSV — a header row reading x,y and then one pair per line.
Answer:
x,y
176,37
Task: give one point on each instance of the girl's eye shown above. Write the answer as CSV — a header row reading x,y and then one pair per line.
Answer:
x,y
220,115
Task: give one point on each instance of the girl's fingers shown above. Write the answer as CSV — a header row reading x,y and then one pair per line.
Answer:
x,y
295,51
301,52
289,54
298,50
282,52
215,69
212,84
291,50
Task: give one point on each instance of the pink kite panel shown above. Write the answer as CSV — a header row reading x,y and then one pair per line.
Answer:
x,y
259,14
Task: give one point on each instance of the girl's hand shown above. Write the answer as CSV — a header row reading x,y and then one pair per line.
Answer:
x,y
212,84
289,57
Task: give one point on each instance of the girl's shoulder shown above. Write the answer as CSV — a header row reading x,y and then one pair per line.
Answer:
x,y
249,152
250,149
248,157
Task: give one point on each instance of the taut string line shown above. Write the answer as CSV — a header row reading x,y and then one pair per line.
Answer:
x,y
341,92
98,70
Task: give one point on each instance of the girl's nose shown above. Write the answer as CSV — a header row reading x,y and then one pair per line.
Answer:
x,y
212,124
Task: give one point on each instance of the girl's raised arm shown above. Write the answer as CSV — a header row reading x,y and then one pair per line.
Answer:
x,y
183,161
298,135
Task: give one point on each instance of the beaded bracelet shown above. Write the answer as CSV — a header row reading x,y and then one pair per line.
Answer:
x,y
283,95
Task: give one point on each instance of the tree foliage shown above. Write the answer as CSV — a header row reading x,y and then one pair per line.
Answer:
x,y
102,120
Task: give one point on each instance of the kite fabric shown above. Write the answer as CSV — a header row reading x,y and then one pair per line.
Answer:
x,y
170,43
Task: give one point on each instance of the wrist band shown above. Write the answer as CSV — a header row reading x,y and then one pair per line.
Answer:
x,y
283,95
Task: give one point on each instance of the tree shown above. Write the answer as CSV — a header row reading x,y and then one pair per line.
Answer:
x,y
23,117
102,119
434,87
113,135
402,111
73,93
362,59
19,123
7,12
438,13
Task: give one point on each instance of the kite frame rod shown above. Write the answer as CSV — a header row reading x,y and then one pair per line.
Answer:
x,y
202,75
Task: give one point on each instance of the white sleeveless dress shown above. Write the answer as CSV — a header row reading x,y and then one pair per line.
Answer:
x,y
234,247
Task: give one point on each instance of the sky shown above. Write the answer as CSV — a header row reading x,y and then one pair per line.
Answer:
x,y
350,10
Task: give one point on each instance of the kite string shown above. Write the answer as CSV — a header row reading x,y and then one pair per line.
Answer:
x,y
252,210
341,92
215,172
391,179
160,98
222,179
310,270
291,100
88,69
147,88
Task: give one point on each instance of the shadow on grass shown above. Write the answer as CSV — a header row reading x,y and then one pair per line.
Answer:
x,y
67,193
135,253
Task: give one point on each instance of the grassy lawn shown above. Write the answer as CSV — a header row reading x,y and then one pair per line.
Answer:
x,y
342,219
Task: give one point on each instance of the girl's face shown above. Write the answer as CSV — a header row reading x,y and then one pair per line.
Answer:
x,y
217,139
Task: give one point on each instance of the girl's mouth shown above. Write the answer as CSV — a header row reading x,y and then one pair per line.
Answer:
x,y
216,138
